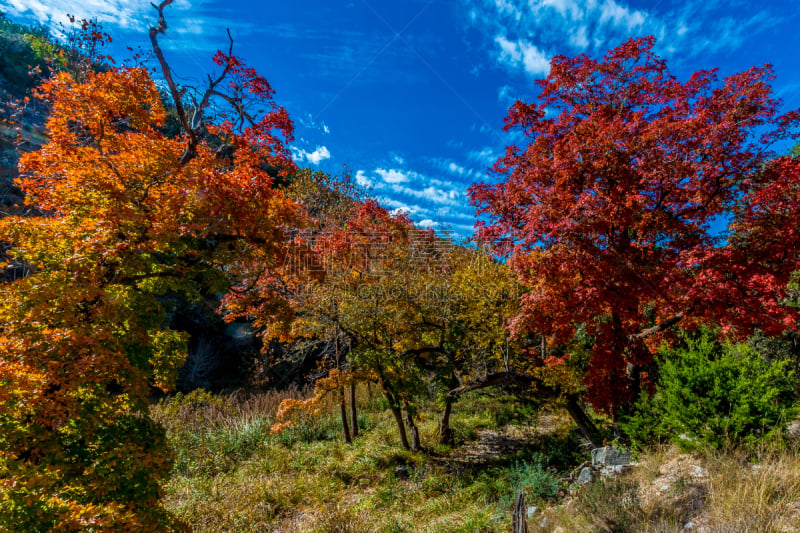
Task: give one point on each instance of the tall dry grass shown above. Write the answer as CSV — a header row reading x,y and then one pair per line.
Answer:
x,y
730,491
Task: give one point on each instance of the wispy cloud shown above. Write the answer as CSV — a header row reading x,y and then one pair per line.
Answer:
x,y
363,180
122,13
435,200
521,35
523,53
193,25
395,176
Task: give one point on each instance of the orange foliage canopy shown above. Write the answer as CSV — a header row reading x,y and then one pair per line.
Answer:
x,y
126,214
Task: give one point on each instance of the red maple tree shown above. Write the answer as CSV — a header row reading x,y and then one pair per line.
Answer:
x,y
610,212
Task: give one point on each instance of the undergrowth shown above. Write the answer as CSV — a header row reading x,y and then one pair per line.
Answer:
x,y
232,474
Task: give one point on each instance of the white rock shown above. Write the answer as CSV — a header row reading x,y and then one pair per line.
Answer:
x,y
586,476
610,456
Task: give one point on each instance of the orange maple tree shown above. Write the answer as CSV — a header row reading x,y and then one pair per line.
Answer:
x,y
125,215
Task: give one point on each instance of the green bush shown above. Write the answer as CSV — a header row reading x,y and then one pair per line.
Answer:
x,y
710,394
539,483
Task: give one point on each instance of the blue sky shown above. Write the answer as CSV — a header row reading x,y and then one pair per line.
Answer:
x,y
411,94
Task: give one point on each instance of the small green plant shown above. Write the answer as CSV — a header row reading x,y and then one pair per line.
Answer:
x,y
710,393
539,482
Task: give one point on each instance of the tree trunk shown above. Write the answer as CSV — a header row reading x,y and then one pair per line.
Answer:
x,y
445,431
582,420
519,521
343,411
353,409
398,417
412,427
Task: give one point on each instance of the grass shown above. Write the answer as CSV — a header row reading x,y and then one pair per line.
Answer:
x,y
231,474
731,491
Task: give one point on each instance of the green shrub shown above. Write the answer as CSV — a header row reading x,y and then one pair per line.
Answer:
x,y
538,482
710,394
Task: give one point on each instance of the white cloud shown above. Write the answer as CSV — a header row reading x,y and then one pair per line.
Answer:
x,y
320,154
394,175
427,223
485,155
523,53
123,13
620,15
522,31
456,169
579,37
192,28
564,7
403,210
432,194
505,96
362,179
509,8
451,167
509,51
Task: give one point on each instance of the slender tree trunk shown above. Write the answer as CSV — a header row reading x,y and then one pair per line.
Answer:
x,y
398,417
582,420
445,431
343,411
342,397
519,522
353,409
412,427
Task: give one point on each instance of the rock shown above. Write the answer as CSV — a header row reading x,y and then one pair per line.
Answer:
x,y
586,476
615,470
697,528
793,429
532,510
544,522
698,471
559,529
401,472
610,456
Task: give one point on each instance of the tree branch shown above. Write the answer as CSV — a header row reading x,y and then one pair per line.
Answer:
x,y
498,379
658,328
177,94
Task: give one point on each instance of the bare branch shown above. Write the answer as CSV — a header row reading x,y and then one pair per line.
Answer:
x,y
212,85
175,92
236,103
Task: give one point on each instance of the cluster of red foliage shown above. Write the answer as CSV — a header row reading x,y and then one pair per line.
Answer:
x,y
609,212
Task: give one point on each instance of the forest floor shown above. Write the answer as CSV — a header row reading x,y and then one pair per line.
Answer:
x,y
232,474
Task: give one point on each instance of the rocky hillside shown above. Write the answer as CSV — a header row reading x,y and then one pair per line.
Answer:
x,y
26,53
